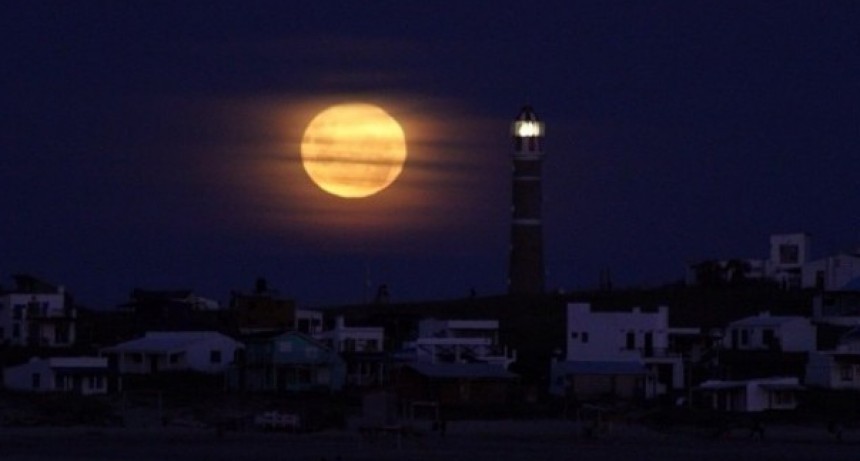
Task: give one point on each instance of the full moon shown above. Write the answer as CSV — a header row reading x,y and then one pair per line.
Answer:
x,y
353,150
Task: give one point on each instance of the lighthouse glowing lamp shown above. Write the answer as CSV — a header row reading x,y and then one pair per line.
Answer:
x,y
526,268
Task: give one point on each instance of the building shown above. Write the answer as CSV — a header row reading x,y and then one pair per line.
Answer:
x,y
788,255
789,264
362,349
458,341
612,351
79,375
36,313
262,310
839,272
526,268
170,310
838,307
838,368
752,395
771,332
287,362
309,322
172,351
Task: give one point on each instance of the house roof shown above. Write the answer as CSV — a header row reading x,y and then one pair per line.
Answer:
x,y
461,370
594,367
165,342
773,384
852,285
765,320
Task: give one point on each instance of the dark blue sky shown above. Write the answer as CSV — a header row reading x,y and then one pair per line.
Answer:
x,y
154,144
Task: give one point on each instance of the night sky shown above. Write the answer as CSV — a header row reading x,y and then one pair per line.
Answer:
x,y
155,144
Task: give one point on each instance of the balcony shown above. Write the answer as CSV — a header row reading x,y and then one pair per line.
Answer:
x,y
37,313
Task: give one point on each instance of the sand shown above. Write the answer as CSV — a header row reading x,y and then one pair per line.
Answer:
x,y
465,440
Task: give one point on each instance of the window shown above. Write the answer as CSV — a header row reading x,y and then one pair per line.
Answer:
x,y
37,380
584,337
846,373
174,359
649,343
768,338
782,398
789,254
214,356
745,337
574,335
62,334
16,331
631,340
18,312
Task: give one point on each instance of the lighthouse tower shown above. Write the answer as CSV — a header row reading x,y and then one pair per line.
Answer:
x,y
526,270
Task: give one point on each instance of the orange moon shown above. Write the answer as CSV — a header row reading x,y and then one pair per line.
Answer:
x,y
353,150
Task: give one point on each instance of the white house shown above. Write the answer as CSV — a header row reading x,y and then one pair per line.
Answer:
x,y
834,272
754,395
35,313
200,351
840,307
361,347
309,322
838,368
604,341
788,255
344,338
459,341
81,375
771,332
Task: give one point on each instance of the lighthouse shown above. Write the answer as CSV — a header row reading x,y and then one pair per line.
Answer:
x,y
526,270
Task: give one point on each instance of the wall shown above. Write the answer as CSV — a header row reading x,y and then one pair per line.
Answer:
x,y
607,333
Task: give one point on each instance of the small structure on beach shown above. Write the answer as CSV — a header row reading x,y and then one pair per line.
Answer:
x,y
752,395
79,375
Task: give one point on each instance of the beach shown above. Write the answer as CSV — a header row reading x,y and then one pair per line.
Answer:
x,y
464,440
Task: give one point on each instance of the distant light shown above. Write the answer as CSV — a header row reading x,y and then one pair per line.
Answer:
x,y
528,129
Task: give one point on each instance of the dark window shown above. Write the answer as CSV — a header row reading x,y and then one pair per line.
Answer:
x,y
16,331
62,334
584,336
574,335
215,356
649,344
37,380
846,373
631,340
789,254
768,338
18,312
745,337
